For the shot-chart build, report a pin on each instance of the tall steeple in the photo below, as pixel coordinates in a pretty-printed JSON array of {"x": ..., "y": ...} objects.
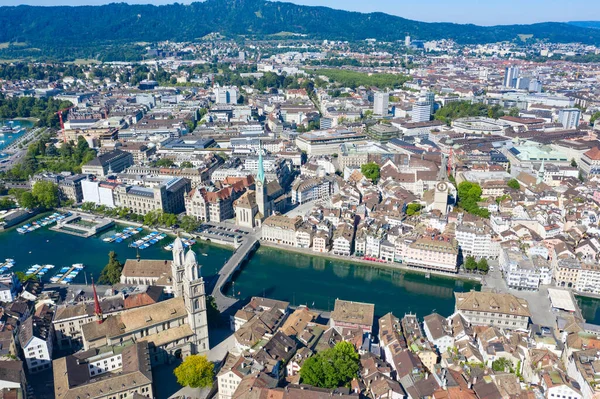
[
  {"x": 260, "y": 175},
  {"x": 261, "y": 186},
  {"x": 541, "y": 174},
  {"x": 177, "y": 267},
  {"x": 97, "y": 308},
  {"x": 194, "y": 298}
]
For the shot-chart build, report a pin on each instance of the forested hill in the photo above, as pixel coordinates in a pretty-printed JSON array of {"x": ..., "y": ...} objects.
[
  {"x": 88, "y": 25},
  {"x": 586, "y": 24}
]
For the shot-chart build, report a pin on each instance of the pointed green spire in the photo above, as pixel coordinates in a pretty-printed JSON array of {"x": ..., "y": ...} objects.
[{"x": 260, "y": 176}]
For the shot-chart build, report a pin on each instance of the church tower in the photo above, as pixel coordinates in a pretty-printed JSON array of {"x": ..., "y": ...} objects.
[
  {"x": 541, "y": 174},
  {"x": 194, "y": 298},
  {"x": 177, "y": 267},
  {"x": 262, "y": 199},
  {"x": 440, "y": 195}
]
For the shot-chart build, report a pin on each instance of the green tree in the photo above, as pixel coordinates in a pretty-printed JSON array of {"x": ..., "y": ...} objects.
[
  {"x": 595, "y": 116},
  {"x": 371, "y": 171},
  {"x": 212, "y": 311},
  {"x": 7, "y": 203},
  {"x": 189, "y": 223},
  {"x": 514, "y": 111},
  {"x": 469, "y": 194},
  {"x": 152, "y": 218},
  {"x": 196, "y": 371},
  {"x": 164, "y": 163},
  {"x": 502, "y": 364},
  {"x": 187, "y": 164},
  {"x": 412, "y": 209},
  {"x": 46, "y": 194},
  {"x": 513, "y": 183},
  {"x": 168, "y": 219},
  {"x": 573, "y": 163},
  {"x": 23, "y": 278},
  {"x": 483, "y": 266},
  {"x": 27, "y": 200},
  {"x": 111, "y": 274},
  {"x": 470, "y": 263},
  {"x": 331, "y": 368}
]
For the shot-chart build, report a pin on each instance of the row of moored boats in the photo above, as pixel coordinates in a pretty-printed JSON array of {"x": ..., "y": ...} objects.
[{"x": 38, "y": 224}]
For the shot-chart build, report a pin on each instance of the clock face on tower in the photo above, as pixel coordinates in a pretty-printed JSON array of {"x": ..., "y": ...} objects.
[
  {"x": 441, "y": 186},
  {"x": 258, "y": 183}
]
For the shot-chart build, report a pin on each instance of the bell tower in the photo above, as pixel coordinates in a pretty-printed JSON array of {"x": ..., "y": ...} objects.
[
  {"x": 194, "y": 298},
  {"x": 262, "y": 200},
  {"x": 177, "y": 268}
]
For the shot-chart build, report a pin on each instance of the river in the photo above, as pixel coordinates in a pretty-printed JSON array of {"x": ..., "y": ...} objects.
[
  {"x": 7, "y": 138},
  {"x": 316, "y": 282},
  {"x": 45, "y": 246},
  {"x": 300, "y": 279}
]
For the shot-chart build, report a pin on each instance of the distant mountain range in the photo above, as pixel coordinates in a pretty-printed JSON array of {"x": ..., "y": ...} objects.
[{"x": 123, "y": 23}]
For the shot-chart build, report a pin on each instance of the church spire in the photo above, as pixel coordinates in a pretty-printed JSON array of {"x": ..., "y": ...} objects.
[
  {"x": 541, "y": 173},
  {"x": 97, "y": 308},
  {"x": 260, "y": 176}
]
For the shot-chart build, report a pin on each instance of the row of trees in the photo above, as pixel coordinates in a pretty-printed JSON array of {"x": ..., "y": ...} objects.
[
  {"x": 153, "y": 218},
  {"x": 471, "y": 264}
]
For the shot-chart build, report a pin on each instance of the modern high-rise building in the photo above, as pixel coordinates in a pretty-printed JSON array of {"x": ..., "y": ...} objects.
[
  {"x": 569, "y": 117},
  {"x": 421, "y": 111},
  {"x": 510, "y": 76},
  {"x": 407, "y": 41},
  {"x": 381, "y": 102},
  {"x": 429, "y": 98},
  {"x": 535, "y": 86},
  {"x": 226, "y": 95}
]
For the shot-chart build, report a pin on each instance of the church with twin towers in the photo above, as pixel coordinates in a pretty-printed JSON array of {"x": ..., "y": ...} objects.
[{"x": 173, "y": 328}]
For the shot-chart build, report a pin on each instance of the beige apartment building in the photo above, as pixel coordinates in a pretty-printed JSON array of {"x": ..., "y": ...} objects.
[
  {"x": 280, "y": 229},
  {"x": 493, "y": 309}
]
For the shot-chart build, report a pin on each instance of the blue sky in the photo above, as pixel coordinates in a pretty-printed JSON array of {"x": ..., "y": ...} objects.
[{"x": 481, "y": 12}]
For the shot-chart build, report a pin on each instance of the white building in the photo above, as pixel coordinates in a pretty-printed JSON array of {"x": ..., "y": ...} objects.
[
  {"x": 381, "y": 102},
  {"x": 304, "y": 190},
  {"x": 569, "y": 117},
  {"x": 438, "y": 332},
  {"x": 98, "y": 192},
  {"x": 35, "y": 337},
  {"x": 477, "y": 240},
  {"x": 524, "y": 273},
  {"x": 226, "y": 95},
  {"x": 420, "y": 111}
]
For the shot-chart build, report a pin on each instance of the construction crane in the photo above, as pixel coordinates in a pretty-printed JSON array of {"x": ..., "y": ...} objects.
[{"x": 62, "y": 125}]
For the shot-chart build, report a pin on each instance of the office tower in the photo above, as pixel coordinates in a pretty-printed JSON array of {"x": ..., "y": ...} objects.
[
  {"x": 429, "y": 98},
  {"x": 381, "y": 102},
  {"x": 420, "y": 111},
  {"x": 407, "y": 41},
  {"x": 569, "y": 117},
  {"x": 510, "y": 76}
]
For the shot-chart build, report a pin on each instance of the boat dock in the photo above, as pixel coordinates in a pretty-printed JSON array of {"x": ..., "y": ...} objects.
[
  {"x": 38, "y": 270},
  {"x": 148, "y": 240},
  {"x": 123, "y": 235},
  {"x": 47, "y": 221},
  {"x": 6, "y": 265},
  {"x": 67, "y": 274}
]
